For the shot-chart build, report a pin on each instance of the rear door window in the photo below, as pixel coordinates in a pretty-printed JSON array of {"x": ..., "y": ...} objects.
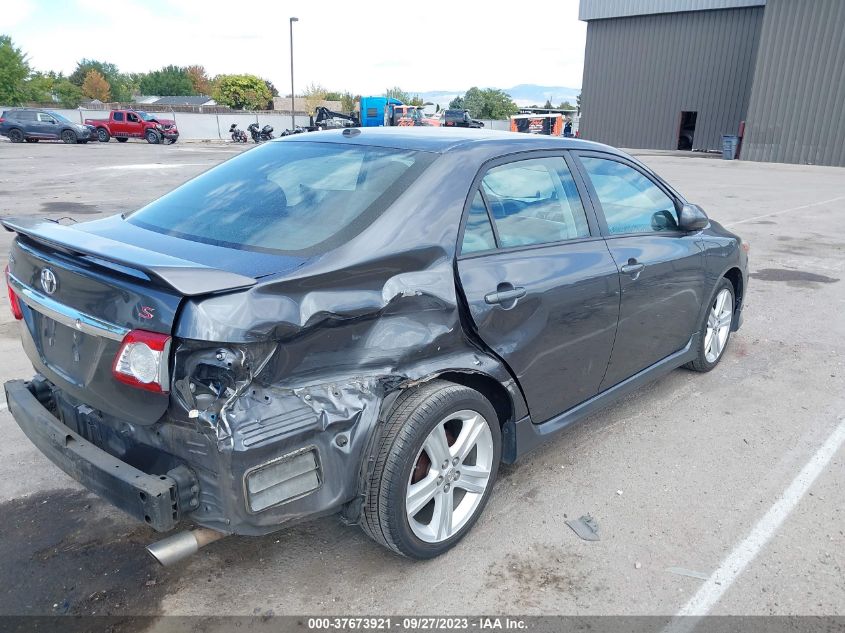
[
  {"x": 478, "y": 232},
  {"x": 291, "y": 197},
  {"x": 118, "y": 116},
  {"x": 535, "y": 201}
]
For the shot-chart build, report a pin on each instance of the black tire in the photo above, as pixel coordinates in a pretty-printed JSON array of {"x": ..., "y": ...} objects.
[
  {"x": 121, "y": 139},
  {"x": 32, "y": 140},
  {"x": 416, "y": 412},
  {"x": 69, "y": 137},
  {"x": 153, "y": 137},
  {"x": 701, "y": 363},
  {"x": 103, "y": 135},
  {"x": 16, "y": 135}
]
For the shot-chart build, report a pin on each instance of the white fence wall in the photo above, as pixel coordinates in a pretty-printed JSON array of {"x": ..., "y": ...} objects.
[
  {"x": 199, "y": 127},
  {"x": 195, "y": 126}
]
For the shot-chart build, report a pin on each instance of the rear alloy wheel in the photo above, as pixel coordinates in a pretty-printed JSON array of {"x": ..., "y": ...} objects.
[
  {"x": 437, "y": 461},
  {"x": 103, "y": 135},
  {"x": 153, "y": 137},
  {"x": 16, "y": 136},
  {"x": 716, "y": 329},
  {"x": 69, "y": 137},
  {"x": 450, "y": 476}
]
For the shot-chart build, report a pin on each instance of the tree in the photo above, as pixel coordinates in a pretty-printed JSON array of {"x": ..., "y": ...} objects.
[
  {"x": 39, "y": 87},
  {"x": 457, "y": 103},
  {"x": 169, "y": 81},
  {"x": 489, "y": 103},
  {"x": 566, "y": 106},
  {"x": 68, "y": 94},
  {"x": 416, "y": 100},
  {"x": 14, "y": 69},
  {"x": 243, "y": 92},
  {"x": 348, "y": 101},
  {"x": 474, "y": 102},
  {"x": 200, "y": 82},
  {"x": 273, "y": 93},
  {"x": 122, "y": 86},
  {"x": 578, "y": 102},
  {"x": 333, "y": 96},
  {"x": 314, "y": 95},
  {"x": 397, "y": 93},
  {"x": 548, "y": 104},
  {"x": 95, "y": 86}
]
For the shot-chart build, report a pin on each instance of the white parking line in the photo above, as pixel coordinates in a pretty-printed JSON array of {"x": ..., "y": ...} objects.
[
  {"x": 803, "y": 206},
  {"x": 733, "y": 565}
]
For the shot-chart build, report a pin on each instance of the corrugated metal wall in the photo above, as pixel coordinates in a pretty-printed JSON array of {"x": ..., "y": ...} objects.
[
  {"x": 641, "y": 72},
  {"x": 601, "y": 9},
  {"x": 797, "y": 109}
]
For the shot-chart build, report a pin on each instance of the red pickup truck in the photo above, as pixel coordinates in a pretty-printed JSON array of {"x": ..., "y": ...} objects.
[{"x": 126, "y": 124}]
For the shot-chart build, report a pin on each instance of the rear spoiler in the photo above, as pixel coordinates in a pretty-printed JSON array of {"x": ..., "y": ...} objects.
[{"x": 186, "y": 278}]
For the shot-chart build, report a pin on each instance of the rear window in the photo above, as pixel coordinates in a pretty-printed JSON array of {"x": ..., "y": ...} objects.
[
  {"x": 22, "y": 115},
  {"x": 286, "y": 197}
]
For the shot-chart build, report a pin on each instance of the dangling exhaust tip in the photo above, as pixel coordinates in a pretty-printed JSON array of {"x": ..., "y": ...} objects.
[{"x": 173, "y": 549}]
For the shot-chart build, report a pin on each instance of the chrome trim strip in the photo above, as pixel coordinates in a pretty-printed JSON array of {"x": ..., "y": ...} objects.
[{"x": 65, "y": 314}]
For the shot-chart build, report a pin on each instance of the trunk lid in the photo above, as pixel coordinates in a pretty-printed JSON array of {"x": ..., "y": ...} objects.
[{"x": 81, "y": 293}]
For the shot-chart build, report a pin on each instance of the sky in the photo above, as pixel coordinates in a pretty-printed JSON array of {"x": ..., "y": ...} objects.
[{"x": 363, "y": 47}]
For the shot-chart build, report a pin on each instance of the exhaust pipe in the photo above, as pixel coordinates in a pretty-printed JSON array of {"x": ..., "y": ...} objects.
[{"x": 174, "y": 548}]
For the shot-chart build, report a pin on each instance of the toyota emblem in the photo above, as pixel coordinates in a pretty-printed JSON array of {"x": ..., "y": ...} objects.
[{"x": 48, "y": 281}]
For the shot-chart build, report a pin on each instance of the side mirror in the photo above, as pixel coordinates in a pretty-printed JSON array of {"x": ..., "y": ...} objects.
[{"x": 692, "y": 218}]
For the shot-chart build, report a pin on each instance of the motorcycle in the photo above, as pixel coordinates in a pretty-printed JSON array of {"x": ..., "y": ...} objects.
[
  {"x": 238, "y": 136},
  {"x": 259, "y": 136},
  {"x": 296, "y": 130}
]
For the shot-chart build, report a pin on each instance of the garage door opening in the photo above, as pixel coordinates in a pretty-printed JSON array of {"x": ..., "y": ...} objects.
[{"x": 686, "y": 131}]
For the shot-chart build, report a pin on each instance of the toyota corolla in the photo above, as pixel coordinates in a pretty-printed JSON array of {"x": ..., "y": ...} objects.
[{"x": 358, "y": 322}]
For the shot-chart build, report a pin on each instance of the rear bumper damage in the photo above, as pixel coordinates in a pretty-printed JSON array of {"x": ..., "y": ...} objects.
[
  {"x": 281, "y": 456},
  {"x": 148, "y": 498}
]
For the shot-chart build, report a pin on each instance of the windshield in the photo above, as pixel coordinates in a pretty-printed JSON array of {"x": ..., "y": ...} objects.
[
  {"x": 144, "y": 115},
  {"x": 286, "y": 197},
  {"x": 59, "y": 117}
]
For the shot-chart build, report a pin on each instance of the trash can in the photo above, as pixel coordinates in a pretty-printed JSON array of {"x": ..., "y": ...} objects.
[{"x": 729, "y": 146}]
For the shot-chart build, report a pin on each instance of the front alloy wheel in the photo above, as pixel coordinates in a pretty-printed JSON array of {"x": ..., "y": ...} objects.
[
  {"x": 434, "y": 468},
  {"x": 450, "y": 476},
  {"x": 718, "y": 325},
  {"x": 715, "y": 332}
]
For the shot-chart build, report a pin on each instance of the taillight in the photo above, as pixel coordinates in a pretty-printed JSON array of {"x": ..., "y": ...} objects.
[
  {"x": 142, "y": 361},
  {"x": 14, "y": 303}
]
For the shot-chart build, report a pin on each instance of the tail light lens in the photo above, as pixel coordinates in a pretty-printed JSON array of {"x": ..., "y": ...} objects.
[
  {"x": 142, "y": 361},
  {"x": 14, "y": 303}
]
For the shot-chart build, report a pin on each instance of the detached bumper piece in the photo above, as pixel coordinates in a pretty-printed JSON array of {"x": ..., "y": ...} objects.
[{"x": 153, "y": 499}]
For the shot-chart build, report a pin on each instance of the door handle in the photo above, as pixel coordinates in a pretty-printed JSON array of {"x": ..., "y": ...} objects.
[
  {"x": 632, "y": 268},
  {"x": 504, "y": 296}
]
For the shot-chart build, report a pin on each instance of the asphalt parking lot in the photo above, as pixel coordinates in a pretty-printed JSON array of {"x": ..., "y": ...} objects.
[{"x": 691, "y": 480}]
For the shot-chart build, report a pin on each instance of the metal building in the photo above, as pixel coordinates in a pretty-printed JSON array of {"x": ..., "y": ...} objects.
[{"x": 669, "y": 74}]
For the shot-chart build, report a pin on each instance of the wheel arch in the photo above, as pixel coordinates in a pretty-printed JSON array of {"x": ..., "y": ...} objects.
[{"x": 734, "y": 275}]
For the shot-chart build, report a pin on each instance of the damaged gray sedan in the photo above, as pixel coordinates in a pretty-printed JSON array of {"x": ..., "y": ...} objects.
[{"x": 364, "y": 323}]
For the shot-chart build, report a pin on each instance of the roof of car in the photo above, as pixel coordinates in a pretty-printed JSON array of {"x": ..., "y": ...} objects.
[{"x": 439, "y": 139}]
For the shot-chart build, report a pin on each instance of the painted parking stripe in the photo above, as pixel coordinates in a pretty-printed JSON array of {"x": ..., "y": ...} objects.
[
  {"x": 733, "y": 565},
  {"x": 803, "y": 206}
]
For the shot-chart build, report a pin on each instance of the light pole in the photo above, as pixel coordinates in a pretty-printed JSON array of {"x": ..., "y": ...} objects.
[{"x": 292, "y": 102}]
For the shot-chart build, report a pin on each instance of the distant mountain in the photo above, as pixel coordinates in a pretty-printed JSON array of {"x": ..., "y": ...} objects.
[{"x": 523, "y": 94}]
